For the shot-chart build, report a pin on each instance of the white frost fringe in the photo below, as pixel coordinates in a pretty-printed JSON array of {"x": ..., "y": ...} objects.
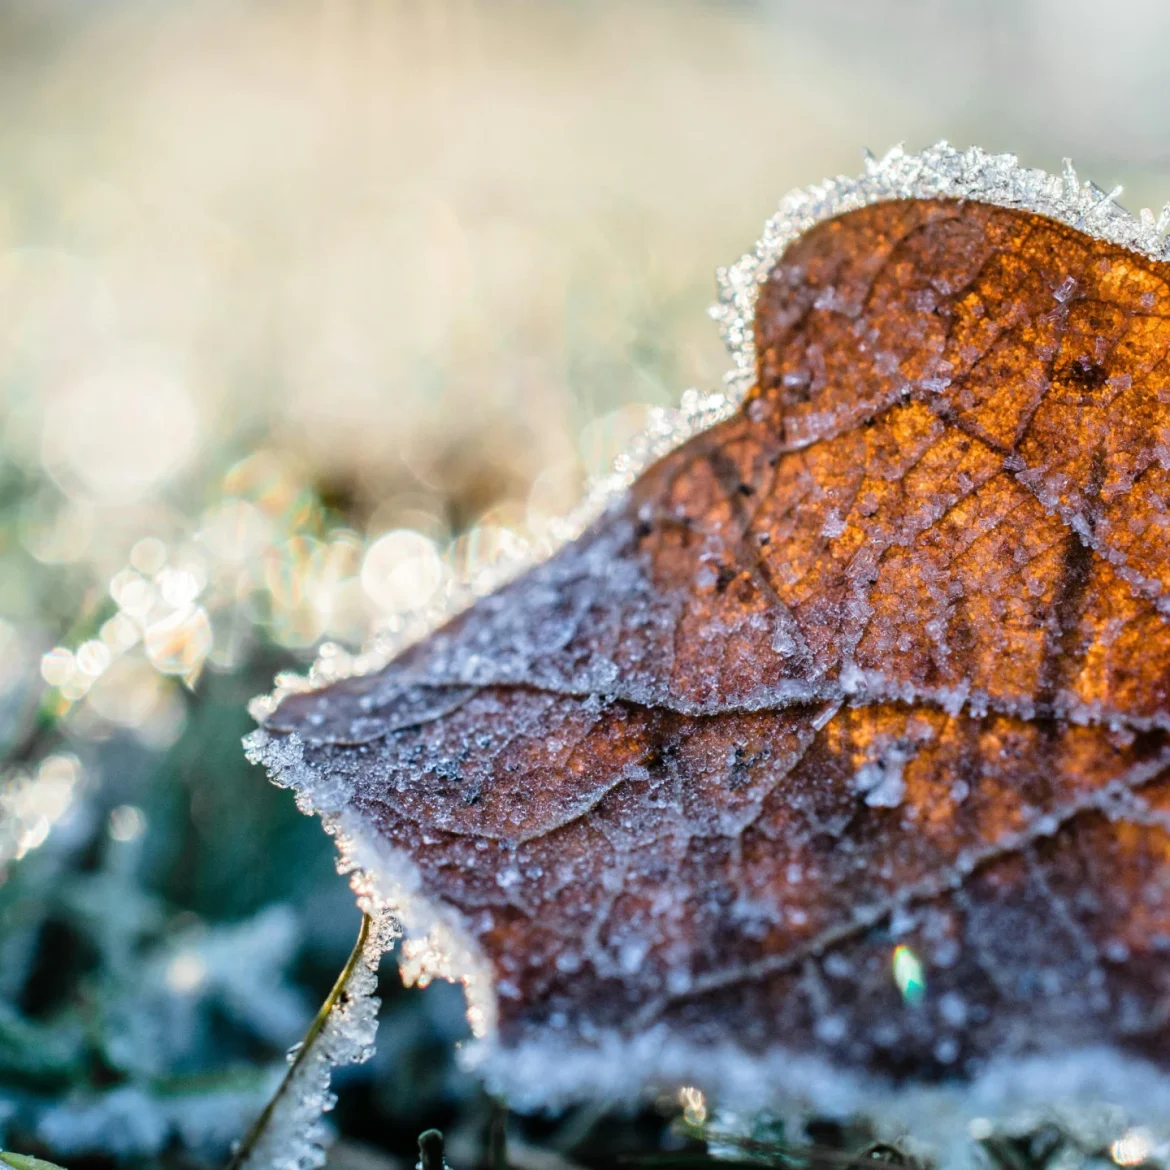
[{"x": 939, "y": 172}]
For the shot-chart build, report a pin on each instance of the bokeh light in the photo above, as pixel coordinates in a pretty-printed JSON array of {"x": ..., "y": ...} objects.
[
  {"x": 31, "y": 803},
  {"x": 116, "y": 435}
]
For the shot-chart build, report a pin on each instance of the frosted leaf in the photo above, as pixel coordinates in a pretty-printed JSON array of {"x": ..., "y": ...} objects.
[{"x": 878, "y": 653}]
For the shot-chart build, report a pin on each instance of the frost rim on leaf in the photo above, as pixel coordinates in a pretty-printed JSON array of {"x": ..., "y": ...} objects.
[
  {"x": 1017, "y": 1095},
  {"x": 939, "y": 172}
]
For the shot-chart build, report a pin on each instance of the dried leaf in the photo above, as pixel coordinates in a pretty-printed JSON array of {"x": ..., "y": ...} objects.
[{"x": 844, "y": 735}]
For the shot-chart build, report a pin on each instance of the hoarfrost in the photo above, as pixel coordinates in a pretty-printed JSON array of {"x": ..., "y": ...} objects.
[
  {"x": 1093, "y": 1094},
  {"x": 294, "y": 1137},
  {"x": 939, "y": 172},
  {"x": 881, "y": 781}
]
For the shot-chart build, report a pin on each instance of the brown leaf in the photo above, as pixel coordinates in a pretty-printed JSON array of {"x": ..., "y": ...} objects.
[{"x": 881, "y": 661}]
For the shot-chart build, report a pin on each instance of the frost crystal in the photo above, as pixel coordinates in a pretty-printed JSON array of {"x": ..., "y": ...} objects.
[{"x": 882, "y": 782}]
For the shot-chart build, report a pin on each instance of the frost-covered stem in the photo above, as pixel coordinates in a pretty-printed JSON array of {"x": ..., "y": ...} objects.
[{"x": 260, "y": 1126}]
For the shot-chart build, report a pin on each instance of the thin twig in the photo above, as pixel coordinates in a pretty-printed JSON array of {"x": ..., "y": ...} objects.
[{"x": 244, "y": 1150}]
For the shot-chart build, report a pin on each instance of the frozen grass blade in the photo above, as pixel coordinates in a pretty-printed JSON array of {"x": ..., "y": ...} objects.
[{"x": 288, "y": 1134}]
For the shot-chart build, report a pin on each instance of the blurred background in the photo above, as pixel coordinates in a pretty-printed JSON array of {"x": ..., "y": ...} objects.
[{"x": 315, "y": 315}]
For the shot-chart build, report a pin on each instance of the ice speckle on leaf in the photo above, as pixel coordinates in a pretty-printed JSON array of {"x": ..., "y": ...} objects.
[
  {"x": 875, "y": 664},
  {"x": 882, "y": 782}
]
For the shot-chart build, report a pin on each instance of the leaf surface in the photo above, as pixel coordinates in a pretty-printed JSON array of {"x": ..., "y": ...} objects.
[{"x": 879, "y": 664}]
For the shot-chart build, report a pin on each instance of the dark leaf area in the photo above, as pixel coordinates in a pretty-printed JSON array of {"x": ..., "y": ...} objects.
[{"x": 882, "y": 660}]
